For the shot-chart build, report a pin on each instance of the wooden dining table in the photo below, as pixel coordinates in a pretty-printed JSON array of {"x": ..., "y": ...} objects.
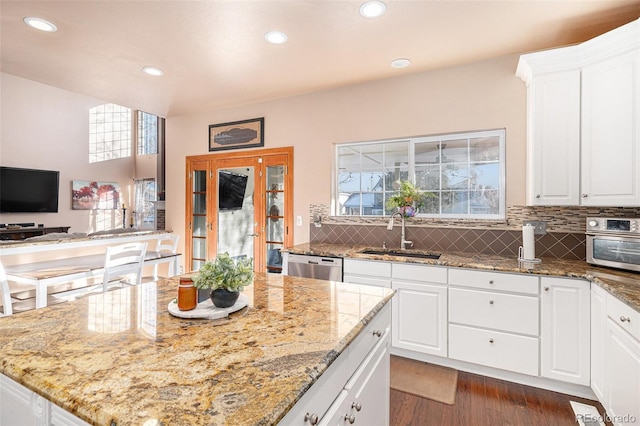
[{"x": 52, "y": 272}]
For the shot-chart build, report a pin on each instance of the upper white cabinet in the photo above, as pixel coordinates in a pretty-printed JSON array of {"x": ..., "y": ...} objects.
[{"x": 583, "y": 121}]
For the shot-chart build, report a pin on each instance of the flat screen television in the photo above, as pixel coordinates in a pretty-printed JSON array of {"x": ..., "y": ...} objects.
[
  {"x": 28, "y": 190},
  {"x": 231, "y": 189}
]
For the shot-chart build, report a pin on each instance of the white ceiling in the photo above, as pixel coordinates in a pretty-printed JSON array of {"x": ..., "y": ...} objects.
[{"x": 214, "y": 55}]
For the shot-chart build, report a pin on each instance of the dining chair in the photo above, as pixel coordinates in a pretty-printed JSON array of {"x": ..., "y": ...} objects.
[
  {"x": 6, "y": 294},
  {"x": 166, "y": 243},
  {"x": 122, "y": 262}
]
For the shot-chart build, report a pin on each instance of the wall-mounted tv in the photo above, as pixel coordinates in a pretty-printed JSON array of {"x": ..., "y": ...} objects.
[
  {"x": 231, "y": 188},
  {"x": 28, "y": 190}
]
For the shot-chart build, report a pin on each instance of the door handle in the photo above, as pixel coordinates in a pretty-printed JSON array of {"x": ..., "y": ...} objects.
[{"x": 253, "y": 235}]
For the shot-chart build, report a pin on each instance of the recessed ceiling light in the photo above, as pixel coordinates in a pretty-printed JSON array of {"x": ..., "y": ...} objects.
[
  {"x": 40, "y": 24},
  {"x": 400, "y": 63},
  {"x": 372, "y": 9},
  {"x": 276, "y": 37},
  {"x": 152, "y": 71}
]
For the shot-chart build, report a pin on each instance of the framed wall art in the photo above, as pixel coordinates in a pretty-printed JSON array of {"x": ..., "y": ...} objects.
[
  {"x": 237, "y": 134},
  {"x": 92, "y": 195}
]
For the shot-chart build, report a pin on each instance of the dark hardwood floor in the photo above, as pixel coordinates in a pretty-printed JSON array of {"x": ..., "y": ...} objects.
[{"x": 486, "y": 401}]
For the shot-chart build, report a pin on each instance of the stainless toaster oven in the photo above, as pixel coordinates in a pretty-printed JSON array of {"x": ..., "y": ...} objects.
[{"x": 614, "y": 242}]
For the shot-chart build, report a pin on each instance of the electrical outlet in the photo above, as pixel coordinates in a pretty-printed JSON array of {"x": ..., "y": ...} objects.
[
  {"x": 298, "y": 220},
  {"x": 539, "y": 226}
]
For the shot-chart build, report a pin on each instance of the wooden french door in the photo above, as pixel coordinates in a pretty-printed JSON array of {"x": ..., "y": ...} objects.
[{"x": 240, "y": 203}]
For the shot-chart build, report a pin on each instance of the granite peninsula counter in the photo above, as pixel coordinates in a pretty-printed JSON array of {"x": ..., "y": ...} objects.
[
  {"x": 624, "y": 285},
  {"x": 120, "y": 358}
]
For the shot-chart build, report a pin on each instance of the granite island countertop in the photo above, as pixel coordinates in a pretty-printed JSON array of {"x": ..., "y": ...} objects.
[
  {"x": 624, "y": 285},
  {"x": 120, "y": 358}
]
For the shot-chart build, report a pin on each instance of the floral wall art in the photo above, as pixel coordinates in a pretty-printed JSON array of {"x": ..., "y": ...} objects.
[{"x": 91, "y": 195}]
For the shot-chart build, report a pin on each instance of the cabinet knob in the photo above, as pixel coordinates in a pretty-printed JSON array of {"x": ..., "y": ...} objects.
[
  {"x": 377, "y": 333},
  {"x": 311, "y": 418},
  {"x": 350, "y": 418},
  {"x": 537, "y": 195},
  {"x": 357, "y": 406},
  {"x": 585, "y": 195},
  {"x": 491, "y": 340},
  {"x": 546, "y": 289},
  {"x": 491, "y": 302},
  {"x": 490, "y": 281},
  {"x": 624, "y": 319}
]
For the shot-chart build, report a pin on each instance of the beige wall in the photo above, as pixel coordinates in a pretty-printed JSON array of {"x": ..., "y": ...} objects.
[
  {"x": 480, "y": 96},
  {"x": 43, "y": 127}
]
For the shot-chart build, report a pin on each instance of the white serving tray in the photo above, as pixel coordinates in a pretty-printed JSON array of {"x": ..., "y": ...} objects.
[{"x": 206, "y": 310}]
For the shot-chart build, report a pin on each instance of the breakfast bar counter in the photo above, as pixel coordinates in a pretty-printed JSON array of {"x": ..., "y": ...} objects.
[{"x": 120, "y": 358}]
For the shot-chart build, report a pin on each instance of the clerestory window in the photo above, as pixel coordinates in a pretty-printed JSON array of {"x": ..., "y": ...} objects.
[
  {"x": 462, "y": 175},
  {"x": 109, "y": 132}
]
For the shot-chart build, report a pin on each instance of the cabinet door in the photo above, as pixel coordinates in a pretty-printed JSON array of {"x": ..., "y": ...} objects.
[
  {"x": 623, "y": 402},
  {"x": 197, "y": 212},
  {"x": 565, "y": 338},
  {"x": 554, "y": 139},
  {"x": 420, "y": 317},
  {"x": 20, "y": 406},
  {"x": 598, "y": 341},
  {"x": 611, "y": 131}
]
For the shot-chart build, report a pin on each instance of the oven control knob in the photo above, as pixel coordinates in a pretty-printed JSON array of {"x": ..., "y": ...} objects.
[{"x": 593, "y": 223}]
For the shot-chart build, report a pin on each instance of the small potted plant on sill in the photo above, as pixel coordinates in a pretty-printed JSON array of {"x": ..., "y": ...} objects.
[
  {"x": 225, "y": 278},
  {"x": 408, "y": 199}
]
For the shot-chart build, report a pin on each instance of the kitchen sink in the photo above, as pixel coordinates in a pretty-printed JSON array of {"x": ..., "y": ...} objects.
[{"x": 403, "y": 253}]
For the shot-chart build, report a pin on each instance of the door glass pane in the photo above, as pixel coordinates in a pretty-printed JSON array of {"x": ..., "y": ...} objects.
[
  {"x": 236, "y": 228},
  {"x": 275, "y": 204},
  {"x": 199, "y": 219}
]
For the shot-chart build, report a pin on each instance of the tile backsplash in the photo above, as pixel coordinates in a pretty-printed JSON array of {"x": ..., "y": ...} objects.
[{"x": 565, "y": 237}]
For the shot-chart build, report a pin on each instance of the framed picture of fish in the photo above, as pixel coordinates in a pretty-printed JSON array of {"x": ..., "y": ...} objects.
[{"x": 237, "y": 134}]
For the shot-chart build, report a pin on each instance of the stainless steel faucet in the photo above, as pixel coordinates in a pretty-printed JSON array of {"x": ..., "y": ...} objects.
[{"x": 403, "y": 242}]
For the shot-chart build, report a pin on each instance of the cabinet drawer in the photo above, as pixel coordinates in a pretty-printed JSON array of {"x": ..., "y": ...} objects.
[
  {"x": 368, "y": 338},
  {"x": 494, "y": 349},
  {"x": 515, "y": 283},
  {"x": 359, "y": 279},
  {"x": 624, "y": 315},
  {"x": 432, "y": 274},
  {"x": 499, "y": 311},
  {"x": 367, "y": 267}
]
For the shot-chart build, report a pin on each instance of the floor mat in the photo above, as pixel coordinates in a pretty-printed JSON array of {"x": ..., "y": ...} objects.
[{"x": 425, "y": 380}]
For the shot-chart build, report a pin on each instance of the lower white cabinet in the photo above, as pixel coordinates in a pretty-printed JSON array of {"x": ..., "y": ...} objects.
[
  {"x": 365, "y": 398},
  {"x": 420, "y": 309},
  {"x": 565, "y": 333},
  {"x": 356, "y": 385},
  {"x": 21, "y": 406},
  {"x": 598, "y": 341},
  {"x": 622, "y": 390},
  {"x": 367, "y": 272}
]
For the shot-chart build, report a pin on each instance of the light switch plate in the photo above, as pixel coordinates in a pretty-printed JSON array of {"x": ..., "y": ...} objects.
[
  {"x": 539, "y": 226},
  {"x": 298, "y": 220}
]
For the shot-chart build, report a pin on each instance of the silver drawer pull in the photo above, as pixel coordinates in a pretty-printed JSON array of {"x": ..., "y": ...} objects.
[
  {"x": 491, "y": 302},
  {"x": 491, "y": 340},
  {"x": 377, "y": 333},
  {"x": 490, "y": 281},
  {"x": 546, "y": 289},
  {"x": 350, "y": 418},
  {"x": 624, "y": 319},
  {"x": 311, "y": 418},
  {"x": 357, "y": 406}
]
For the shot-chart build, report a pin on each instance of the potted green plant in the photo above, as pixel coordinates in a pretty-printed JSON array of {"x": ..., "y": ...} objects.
[
  {"x": 408, "y": 199},
  {"x": 225, "y": 277}
]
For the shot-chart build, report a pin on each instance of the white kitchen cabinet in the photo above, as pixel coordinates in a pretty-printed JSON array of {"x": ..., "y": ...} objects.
[
  {"x": 583, "y": 121},
  {"x": 622, "y": 399},
  {"x": 611, "y": 131},
  {"x": 21, "y": 406},
  {"x": 565, "y": 330},
  {"x": 367, "y": 272},
  {"x": 598, "y": 341},
  {"x": 358, "y": 378},
  {"x": 420, "y": 309},
  {"x": 493, "y": 320}
]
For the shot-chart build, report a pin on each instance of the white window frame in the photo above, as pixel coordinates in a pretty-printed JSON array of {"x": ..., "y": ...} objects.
[{"x": 410, "y": 159}]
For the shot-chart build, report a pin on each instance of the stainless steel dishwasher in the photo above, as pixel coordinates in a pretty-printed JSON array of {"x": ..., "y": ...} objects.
[{"x": 318, "y": 267}]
